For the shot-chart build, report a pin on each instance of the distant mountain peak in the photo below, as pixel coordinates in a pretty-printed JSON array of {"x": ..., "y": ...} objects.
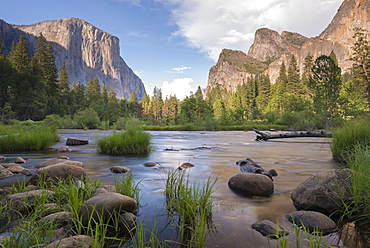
[{"x": 87, "y": 52}]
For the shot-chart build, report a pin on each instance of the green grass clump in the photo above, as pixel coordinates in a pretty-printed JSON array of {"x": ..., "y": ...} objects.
[
  {"x": 190, "y": 206},
  {"x": 347, "y": 138},
  {"x": 128, "y": 142},
  {"x": 27, "y": 138}
]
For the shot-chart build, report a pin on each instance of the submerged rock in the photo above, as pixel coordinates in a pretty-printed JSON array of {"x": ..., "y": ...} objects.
[
  {"x": 269, "y": 229},
  {"x": 311, "y": 221},
  {"x": 185, "y": 166},
  {"x": 64, "y": 149},
  {"x": 119, "y": 169}
]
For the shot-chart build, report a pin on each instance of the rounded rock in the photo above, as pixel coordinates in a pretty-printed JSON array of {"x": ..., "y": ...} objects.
[
  {"x": 324, "y": 192},
  {"x": 252, "y": 184},
  {"x": 312, "y": 221},
  {"x": 119, "y": 169},
  {"x": 104, "y": 205},
  {"x": 72, "y": 242}
]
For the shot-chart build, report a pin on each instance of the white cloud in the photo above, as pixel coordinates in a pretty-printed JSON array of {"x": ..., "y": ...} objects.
[
  {"x": 211, "y": 25},
  {"x": 179, "y": 69},
  {"x": 181, "y": 87}
]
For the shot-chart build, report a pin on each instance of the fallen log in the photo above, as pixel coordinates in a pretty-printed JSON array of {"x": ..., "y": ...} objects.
[
  {"x": 76, "y": 142},
  {"x": 266, "y": 136}
]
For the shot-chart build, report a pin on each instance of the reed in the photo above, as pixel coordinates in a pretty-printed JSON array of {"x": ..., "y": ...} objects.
[
  {"x": 126, "y": 185},
  {"x": 128, "y": 142},
  {"x": 346, "y": 139},
  {"x": 27, "y": 138},
  {"x": 190, "y": 207}
]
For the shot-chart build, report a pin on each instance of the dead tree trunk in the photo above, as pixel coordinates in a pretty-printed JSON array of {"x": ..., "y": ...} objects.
[{"x": 266, "y": 136}]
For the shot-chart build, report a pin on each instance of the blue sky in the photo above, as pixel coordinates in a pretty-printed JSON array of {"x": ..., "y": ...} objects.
[{"x": 172, "y": 44}]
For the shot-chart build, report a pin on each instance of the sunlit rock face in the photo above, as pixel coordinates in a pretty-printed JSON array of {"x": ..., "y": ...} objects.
[
  {"x": 269, "y": 44},
  {"x": 87, "y": 51}
]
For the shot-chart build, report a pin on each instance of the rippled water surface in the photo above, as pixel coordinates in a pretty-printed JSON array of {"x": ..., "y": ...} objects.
[{"x": 294, "y": 159}]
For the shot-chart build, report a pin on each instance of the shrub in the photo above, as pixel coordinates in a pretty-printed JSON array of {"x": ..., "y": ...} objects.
[
  {"x": 131, "y": 141},
  {"x": 87, "y": 118}
]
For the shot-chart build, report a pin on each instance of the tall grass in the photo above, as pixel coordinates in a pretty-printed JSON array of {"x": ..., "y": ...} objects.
[
  {"x": 126, "y": 185},
  {"x": 131, "y": 141},
  {"x": 351, "y": 145},
  {"x": 190, "y": 206},
  {"x": 27, "y": 138},
  {"x": 346, "y": 139}
]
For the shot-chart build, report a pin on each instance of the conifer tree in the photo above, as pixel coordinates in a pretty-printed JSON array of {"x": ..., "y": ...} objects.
[
  {"x": 145, "y": 104},
  {"x": 157, "y": 101},
  {"x": 264, "y": 93},
  {"x": 170, "y": 107},
  {"x": 293, "y": 78},
  {"x": 18, "y": 55},
  {"x": 78, "y": 98},
  {"x": 325, "y": 85},
  {"x": 104, "y": 94},
  {"x": 93, "y": 90},
  {"x": 361, "y": 62}
]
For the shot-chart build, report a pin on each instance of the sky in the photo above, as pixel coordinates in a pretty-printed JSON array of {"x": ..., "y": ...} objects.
[{"x": 172, "y": 44}]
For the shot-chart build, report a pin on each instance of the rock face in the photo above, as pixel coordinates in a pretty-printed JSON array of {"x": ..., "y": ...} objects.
[
  {"x": 337, "y": 37},
  {"x": 269, "y": 44},
  {"x": 87, "y": 51},
  {"x": 231, "y": 70}
]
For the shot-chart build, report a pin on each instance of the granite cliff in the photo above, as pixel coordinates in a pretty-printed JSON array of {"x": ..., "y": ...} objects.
[
  {"x": 235, "y": 67},
  {"x": 268, "y": 44},
  {"x": 87, "y": 51}
]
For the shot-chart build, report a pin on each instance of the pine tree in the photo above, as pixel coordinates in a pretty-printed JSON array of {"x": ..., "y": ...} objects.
[
  {"x": 18, "y": 55},
  {"x": 145, "y": 104},
  {"x": 63, "y": 81},
  {"x": 264, "y": 93},
  {"x": 325, "y": 84},
  {"x": 361, "y": 62},
  {"x": 93, "y": 90},
  {"x": 157, "y": 101},
  {"x": 293, "y": 78},
  {"x": 78, "y": 99},
  {"x": 278, "y": 100},
  {"x": 170, "y": 107},
  {"x": 104, "y": 94}
]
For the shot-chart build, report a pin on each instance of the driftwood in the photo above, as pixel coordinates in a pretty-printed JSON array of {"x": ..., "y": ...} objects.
[
  {"x": 76, "y": 142},
  {"x": 266, "y": 136}
]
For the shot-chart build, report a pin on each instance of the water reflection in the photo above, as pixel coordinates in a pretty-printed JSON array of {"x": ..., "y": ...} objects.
[{"x": 293, "y": 159}]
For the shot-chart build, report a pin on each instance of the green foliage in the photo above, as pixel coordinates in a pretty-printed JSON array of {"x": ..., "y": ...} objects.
[
  {"x": 190, "y": 206},
  {"x": 348, "y": 138},
  {"x": 361, "y": 62},
  {"x": 27, "y": 139},
  {"x": 325, "y": 85},
  {"x": 128, "y": 142},
  {"x": 87, "y": 118}
]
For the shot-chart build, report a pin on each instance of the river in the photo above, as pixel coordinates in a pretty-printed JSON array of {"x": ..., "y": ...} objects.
[{"x": 294, "y": 159}]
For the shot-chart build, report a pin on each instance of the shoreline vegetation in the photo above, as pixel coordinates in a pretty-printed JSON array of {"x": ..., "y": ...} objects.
[{"x": 350, "y": 147}]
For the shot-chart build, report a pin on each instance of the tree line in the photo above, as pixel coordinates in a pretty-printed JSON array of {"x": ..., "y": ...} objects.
[{"x": 317, "y": 97}]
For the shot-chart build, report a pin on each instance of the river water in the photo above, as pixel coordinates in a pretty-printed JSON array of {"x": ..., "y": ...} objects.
[{"x": 294, "y": 159}]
